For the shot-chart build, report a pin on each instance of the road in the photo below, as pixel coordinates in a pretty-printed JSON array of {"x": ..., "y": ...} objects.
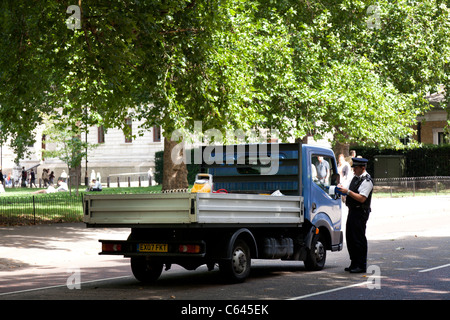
[{"x": 409, "y": 258}]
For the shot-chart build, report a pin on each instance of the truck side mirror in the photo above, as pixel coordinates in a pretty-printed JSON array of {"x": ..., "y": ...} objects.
[{"x": 335, "y": 179}]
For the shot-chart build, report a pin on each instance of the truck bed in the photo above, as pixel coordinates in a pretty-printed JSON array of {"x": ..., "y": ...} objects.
[{"x": 191, "y": 210}]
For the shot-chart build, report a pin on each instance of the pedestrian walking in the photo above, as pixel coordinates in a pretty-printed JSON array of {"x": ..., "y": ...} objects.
[
  {"x": 24, "y": 177},
  {"x": 32, "y": 179}
]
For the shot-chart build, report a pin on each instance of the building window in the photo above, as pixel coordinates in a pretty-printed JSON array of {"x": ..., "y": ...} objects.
[
  {"x": 405, "y": 140},
  {"x": 101, "y": 134},
  {"x": 156, "y": 134},
  {"x": 129, "y": 134},
  {"x": 441, "y": 138}
]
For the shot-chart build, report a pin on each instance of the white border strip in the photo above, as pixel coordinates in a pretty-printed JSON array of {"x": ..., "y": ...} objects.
[
  {"x": 59, "y": 286},
  {"x": 435, "y": 268},
  {"x": 328, "y": 291}
]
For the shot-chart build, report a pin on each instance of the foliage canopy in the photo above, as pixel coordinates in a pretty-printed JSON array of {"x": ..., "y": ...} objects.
[{"x": 356, "y": 68}]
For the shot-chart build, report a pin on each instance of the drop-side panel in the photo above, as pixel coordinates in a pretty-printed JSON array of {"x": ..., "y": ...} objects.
[
  {"x": 128, "y": 209},
  {"x": 249, "y": 209},
  {"x": 185, "y": 208}
]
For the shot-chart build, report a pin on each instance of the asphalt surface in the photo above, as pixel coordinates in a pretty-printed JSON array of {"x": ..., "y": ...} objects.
[{"x": 409, "y": 249}]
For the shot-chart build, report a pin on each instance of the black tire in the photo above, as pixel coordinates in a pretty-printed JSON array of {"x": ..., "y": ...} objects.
[
  {"x": 317, "y": 255},
  {"x": 144, "y": 270},
  {"x": 237, "y": 269}
]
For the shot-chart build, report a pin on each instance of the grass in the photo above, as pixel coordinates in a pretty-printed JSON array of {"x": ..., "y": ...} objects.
[
  {"x": 82, "y": 189},
  {"x": 24, "y": 208},
  {"x": 19, "y": 206}
]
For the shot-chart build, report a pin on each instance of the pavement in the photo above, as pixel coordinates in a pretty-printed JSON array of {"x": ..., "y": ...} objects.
[
  {"x": 54, "y": 246},
  {"x": 57, "y": 247}
]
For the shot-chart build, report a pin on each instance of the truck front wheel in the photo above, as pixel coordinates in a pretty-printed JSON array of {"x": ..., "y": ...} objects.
[
  {"x": 144, "y": 270},
  {"x": 237, "y": 268},
  {"x": 316, "y": 256}
]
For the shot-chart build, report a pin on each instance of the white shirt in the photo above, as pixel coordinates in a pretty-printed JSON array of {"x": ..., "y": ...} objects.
[
  {"x": 97, "y": 185},
  {"x": 366, "y": 186},
  {"x": 62, "y": 187}
]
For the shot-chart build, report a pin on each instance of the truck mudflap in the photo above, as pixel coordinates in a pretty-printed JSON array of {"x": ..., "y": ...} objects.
[{"x": 157, "y": 248}]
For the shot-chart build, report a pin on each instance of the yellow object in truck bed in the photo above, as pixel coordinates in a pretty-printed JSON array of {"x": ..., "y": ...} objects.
[
  {"x": 203, "y": 183},
  {"x": 203, "y": 187}
]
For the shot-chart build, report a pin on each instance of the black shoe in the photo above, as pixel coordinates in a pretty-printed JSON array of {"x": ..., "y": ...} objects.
[
  {"x": 350, "y": 267},
  {"x": 358, "y": 270}
]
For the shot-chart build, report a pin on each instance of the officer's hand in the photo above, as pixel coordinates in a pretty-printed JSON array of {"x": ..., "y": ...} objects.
[{"x": 341, "y": 191}]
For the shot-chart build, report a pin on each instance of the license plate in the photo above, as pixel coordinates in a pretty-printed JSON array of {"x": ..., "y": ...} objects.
[{"x": 152, "y": 247}]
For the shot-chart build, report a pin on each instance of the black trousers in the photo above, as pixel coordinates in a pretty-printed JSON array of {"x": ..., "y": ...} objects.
[{"x": 355, "y": 235}]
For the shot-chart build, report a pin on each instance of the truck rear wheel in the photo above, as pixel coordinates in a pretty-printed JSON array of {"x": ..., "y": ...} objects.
[
  {"x": 316, "y": 256},
  {"x": 144, "y": 270},
  {"x": 237, "y": 268}
]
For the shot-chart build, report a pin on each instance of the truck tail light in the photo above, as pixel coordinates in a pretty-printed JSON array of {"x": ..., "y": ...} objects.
[
  {"x": 189, "y": 248},
  {"x": 111, "y": 247}
]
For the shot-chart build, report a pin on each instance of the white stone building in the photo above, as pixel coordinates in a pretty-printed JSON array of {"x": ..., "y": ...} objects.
[{"x": 115, "y": 155}]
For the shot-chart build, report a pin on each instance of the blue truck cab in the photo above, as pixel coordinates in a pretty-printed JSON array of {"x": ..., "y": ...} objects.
[{"x": 295, "y": 169}]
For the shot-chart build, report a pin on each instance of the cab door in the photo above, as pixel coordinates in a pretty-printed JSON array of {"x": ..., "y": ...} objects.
[{"x": 322, "y": 209}]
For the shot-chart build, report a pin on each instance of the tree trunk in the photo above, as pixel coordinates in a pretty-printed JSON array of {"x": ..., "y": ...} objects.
[
  {"x": 75, "y": 178},
  {"x": 339, "y": 148},
  {"x": 174, "y": 174}
]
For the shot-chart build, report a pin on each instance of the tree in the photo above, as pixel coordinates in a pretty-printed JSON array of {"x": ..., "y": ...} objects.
[
  {"x": 299, "y": 66},
  {"x": 363, "y": 68},
  {"x": 68, "y": 147}
]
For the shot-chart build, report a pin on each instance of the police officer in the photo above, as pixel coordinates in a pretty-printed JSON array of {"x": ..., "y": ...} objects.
[{"x": 359, "y": 195}]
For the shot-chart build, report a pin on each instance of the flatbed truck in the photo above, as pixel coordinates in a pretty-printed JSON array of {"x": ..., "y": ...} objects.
[{"x": 260, "y": 213}]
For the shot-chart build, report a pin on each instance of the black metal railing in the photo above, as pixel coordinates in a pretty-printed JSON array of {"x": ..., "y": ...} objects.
[
  {"x": 33, "y": 209},
  {"x": 414, "y": 185}
]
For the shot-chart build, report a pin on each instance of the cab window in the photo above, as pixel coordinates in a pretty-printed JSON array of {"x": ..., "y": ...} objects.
[{"x": 323, "y": 171}]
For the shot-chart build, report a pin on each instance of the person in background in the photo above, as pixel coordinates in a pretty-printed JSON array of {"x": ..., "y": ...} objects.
[
  {"x": 95, "y": 186},
  {"x": 24, "y": 178},
  {"x": 45, "y": 177},
  {"x": 8, "y": 181},
  {"x": 32, "y": 179},
  {"x": 344, "y": 170},
  {"x": 62, "y": 186},
  {"x": 51, "y": 177},
  {"x": 50, "y": 189},
  {"x": 64, "y": 176},
  {"x": 323, "y": 170}
]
